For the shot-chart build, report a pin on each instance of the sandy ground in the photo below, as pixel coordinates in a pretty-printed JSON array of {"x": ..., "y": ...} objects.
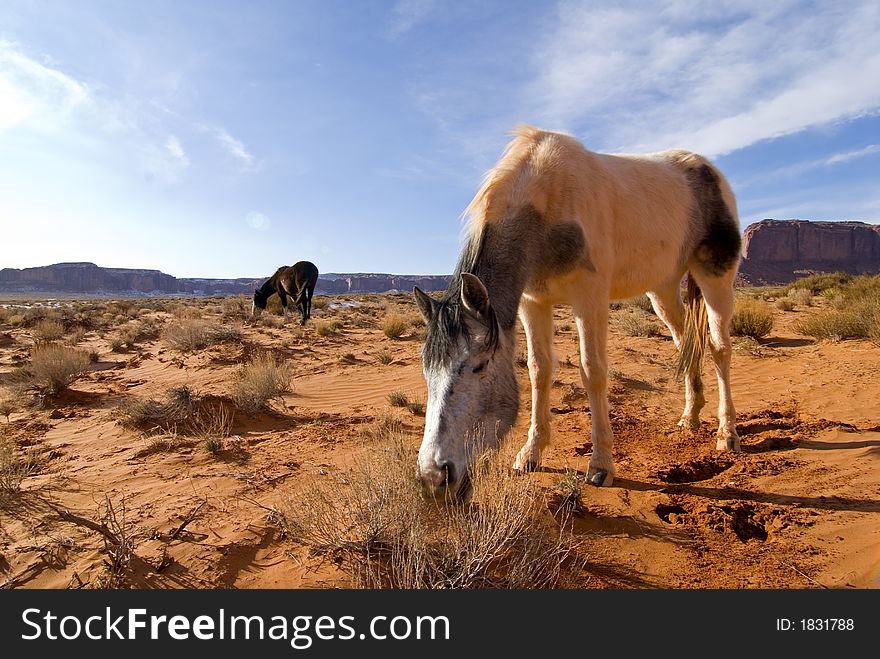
[{"x": 798, "y": 508}]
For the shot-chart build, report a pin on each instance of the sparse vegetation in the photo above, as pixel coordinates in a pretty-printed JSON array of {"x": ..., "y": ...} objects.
[
  {"x": 384, "y": 356},
  {"x": 196, "y": 334},
  {"x": 570, "y": 492},
  {"x": 854, "y": 312},
  {"x": 259, "y": 382},
  {"x": 752, "y": 318},
  {"x": 818, "y": 284},
  {"x": 55, "y": 367},
  {"x": 378, "y": 527},
  {"x": 46, "y": 331},
  {"x": 14, "y": 467},
  {"x": 785, "y": 304},
  {"x": 328, "y": 327},
  {"x": 801, "y": 297},
  {"x": 398, "y": 399},
  {"x": 635, "y": 322},
  {"x": 395, "y": 325}
]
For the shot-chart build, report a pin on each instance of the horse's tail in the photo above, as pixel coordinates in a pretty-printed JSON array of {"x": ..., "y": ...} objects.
[{"x": 696, "y": 332}]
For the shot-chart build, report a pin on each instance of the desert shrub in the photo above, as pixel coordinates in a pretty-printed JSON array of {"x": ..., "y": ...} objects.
[
  {"x": 854, "y": 313},
  {"x": 196, "y": 334},
  {"x": 236, "y": 307},
  {"x": 188, "y": 334},
  {"x": 328, "y": 327},
  {"x": 319, "y": 302},
  {"x": 751, "y": 318},
  {"x": 12, "y": 399},
  {"x": 259, "y": 382},
  {"x": 802, "y": 297},
  {"x": 635, "y": 322},
  {"x": 127, "y": 335},
  {"x": 785, "y": 304},
  {"x": 642, "y": 302},
  {"x": 570, "y": 494},
  {"x": 271, "y": 321},
  {"x": 380, "y": 529},
  {"x": 836, "y": 325},
  {"x": 54, "y": 367},
  {"x": 75, "y": 336},
  {"x": 395, "y": 325},
  {"x": 180, "y": 411},
  {"x": 5, "y": 314},
  {"x": 398, "y": 399},
  {"x": 416, "y": 407},
  {"x": 47, "y": 330},
  {"x": 15, "y": 466},
  {"x": 384, "y": 357},
  {"x": 818, "y": 283}
]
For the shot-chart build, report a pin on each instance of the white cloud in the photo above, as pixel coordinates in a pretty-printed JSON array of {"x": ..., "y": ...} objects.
[
  {"x": 647, "y": 76},
  {"x": 176, "y": 152},
  {"x": 406, "y": 14},
  {"x": 853, "y": 155},
  {"x": 235, "y": 148},
  {"x": 34, "y": 94}
]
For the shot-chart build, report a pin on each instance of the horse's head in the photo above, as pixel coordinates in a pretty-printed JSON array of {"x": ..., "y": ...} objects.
[
  {"x": 472, "y": 389},
  {"x": 259, "y": 303}
]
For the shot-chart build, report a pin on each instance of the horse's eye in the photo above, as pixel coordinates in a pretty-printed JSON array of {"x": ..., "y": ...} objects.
[{"x": 479, "y": 368}]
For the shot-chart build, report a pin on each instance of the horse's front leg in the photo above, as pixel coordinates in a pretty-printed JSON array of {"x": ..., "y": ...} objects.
[
  {"x": 592, "y": 324},
  {"x": 537, "y": 320}
]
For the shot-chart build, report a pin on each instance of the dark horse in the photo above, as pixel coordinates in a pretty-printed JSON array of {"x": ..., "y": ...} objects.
[{"x": 296, "y": 281}]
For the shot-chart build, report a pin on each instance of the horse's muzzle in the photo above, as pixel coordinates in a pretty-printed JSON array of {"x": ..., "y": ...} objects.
[{"x": 442, "y": 482}]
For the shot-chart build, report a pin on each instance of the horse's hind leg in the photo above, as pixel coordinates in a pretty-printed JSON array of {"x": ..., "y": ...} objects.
[
  {"x": 718, "y": 295},
  {"x": 666, "y": 301},
  {"x": 537, "y": 320}
]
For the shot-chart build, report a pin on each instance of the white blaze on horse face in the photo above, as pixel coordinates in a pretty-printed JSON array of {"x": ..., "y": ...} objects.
[
  {"x": 458, "y": 415},
  {"x": 255, "y": 310}
]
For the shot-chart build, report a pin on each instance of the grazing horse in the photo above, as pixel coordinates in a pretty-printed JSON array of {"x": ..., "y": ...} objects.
[
  {"x": 296, "y": 281},
  {"x": 554, "y": 223}
]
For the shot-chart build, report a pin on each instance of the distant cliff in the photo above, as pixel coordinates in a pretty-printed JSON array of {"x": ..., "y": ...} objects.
[
  {"x": 91, "y": 279},
  {"x": 780, "y": 251}
]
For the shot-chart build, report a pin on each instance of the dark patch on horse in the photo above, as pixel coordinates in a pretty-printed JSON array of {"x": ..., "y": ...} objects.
[
  {"x": 718, "y": 249},
  {"x": 506, "y": 256},
  {"x": 296, "y": 282}
]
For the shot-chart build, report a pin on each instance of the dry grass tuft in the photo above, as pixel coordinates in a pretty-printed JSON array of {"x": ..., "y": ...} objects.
[
  {"x": 181, "y": 411},
  {"x": 854, "y": 312},
  {"x": 752, "y": 318},
  {"x": 15, "y": 466},
  {"x": 396, "y": 325},
  {"x": 260, "y": 381},
  {"x": 375, "y": 523},
  {"x": 46, "y": 331},
  {"x": 55, "y": 367},
  {"x": 196, "y": 334},
  {"x": 635, "y": 322},
  {"x": 398, "y": 399}
]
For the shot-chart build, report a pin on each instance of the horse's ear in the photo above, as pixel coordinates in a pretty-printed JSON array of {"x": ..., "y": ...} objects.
[
  {"x": 424, "y": 302},
  {"x": 474, "y": 295}
]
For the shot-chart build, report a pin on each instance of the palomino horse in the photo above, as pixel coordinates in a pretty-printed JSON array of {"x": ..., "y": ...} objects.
[
  {"x": 296, "y": 281},
  {"x": 554, "y": 223}
]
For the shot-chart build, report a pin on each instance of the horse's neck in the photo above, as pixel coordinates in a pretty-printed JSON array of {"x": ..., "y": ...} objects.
[
  {"x": 269, "y": 287},
  {"x": 503, "y": 265}
]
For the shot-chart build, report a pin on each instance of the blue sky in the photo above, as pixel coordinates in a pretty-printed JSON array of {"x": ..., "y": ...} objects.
[{"x": 222, "y": 139}]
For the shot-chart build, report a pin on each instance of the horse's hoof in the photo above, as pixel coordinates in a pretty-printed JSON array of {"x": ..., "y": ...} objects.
[
  {"x": 531, "y": 466},
  {"x": 600, "y": 478},
  {"x": 728, "y": 444}
]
